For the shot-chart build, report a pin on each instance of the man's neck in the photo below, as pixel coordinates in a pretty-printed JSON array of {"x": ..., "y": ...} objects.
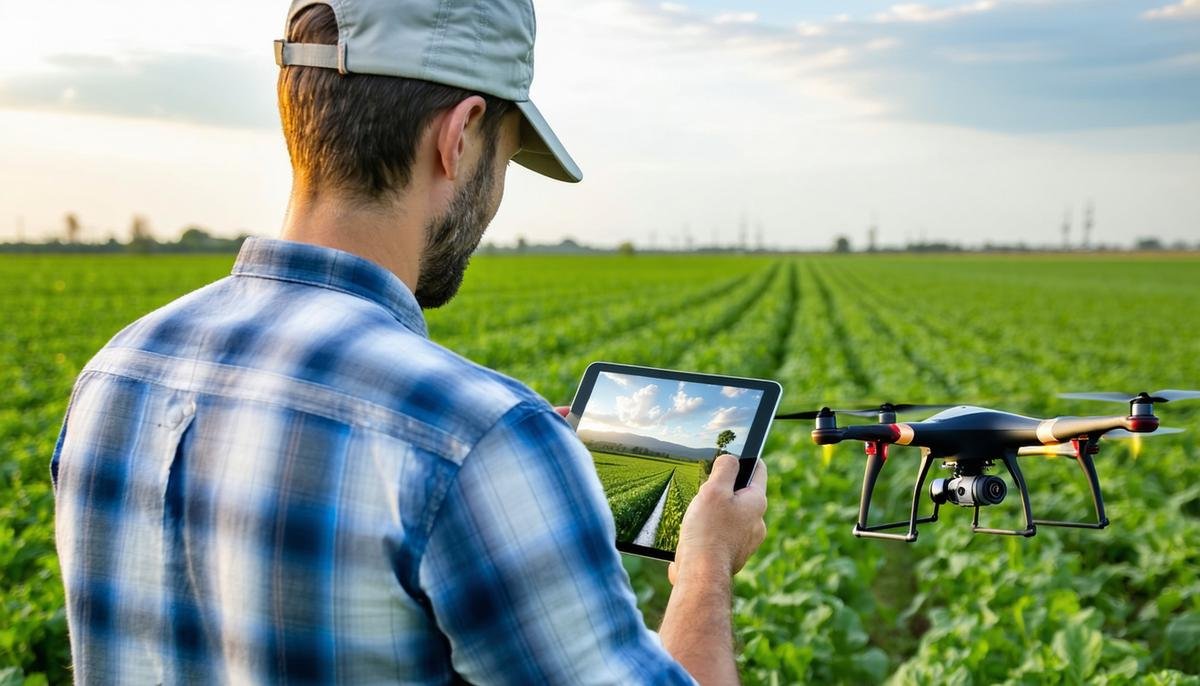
[{"x": 390, "y": 236}]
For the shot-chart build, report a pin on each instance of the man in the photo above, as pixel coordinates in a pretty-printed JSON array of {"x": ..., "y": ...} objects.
[{"x": 279, "y": 477}]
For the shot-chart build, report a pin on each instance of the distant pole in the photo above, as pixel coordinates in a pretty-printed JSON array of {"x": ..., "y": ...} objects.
[
  {"x": 759, "y": 235},
  {"x": 872, "y": 233},
  {"x": 742, "y": 232},
  {"x": 1066, "y": 230},
  {"x": 1088, "y": 223},
  {"x": 73, "y": 227}
]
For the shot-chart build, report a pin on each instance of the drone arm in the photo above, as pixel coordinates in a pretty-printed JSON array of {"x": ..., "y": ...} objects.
[
  {"x": 1063, "y": 429},
  {"x": 885, "y": 433}
]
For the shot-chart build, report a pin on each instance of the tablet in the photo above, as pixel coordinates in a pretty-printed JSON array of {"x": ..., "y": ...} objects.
[{"x": 654, "y": 434}]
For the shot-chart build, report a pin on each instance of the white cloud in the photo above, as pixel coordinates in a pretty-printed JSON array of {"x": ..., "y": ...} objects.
[
  {"x": 640, "y": 409},
  {"x": 619, "y": 380},
  {"x": 916, "y": 12},
  {"x": 1016, "y": 53},
  {"x": 810, "y": 30},
  {"x": 727, "y": 418},
  {"x": 736, "y": 18},
  {"x": 732, "y": 392},
  {"x": 1180, "y": 10},
  {"x": 673, "y": 7},
  {"x": 683, "y": 403}
]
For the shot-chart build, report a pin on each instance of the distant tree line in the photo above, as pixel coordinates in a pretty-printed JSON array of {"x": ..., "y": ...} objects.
[
  {"x": 621, "y": 448},
  {"x": 842, "y": 244},
  {"x": 194, "y": 239}
]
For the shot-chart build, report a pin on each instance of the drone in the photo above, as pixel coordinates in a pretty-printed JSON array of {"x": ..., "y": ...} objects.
[{"x": 970, "y": 440}]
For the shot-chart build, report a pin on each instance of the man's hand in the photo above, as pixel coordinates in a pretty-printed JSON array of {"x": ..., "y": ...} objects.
[{"x": 721, "y": 528}]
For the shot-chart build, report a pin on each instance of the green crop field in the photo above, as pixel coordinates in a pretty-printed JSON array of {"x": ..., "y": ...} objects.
[
  {"x": 815, "y": 605},
  {"x": 633, "y": 487},
  {"x": 634, "y": 484}
]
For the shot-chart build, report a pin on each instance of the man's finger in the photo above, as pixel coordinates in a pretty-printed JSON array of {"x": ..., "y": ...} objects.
[
  {"x": 671, "y": 573},
  {"x": 563, "y": 410}
]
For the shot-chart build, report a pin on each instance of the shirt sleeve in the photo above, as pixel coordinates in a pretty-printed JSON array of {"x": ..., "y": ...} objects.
[{"x": 521, "y": 569}]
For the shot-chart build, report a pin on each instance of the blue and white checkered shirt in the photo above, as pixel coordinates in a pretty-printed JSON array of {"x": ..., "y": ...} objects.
[{"x": 280, "y": 478}]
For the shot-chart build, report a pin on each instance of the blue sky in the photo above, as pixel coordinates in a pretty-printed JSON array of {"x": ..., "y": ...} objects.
[
  {"x": 1005, "y": 65},
  {"x": 966, "y": 120},
  {"x": 688, "y": 414}
]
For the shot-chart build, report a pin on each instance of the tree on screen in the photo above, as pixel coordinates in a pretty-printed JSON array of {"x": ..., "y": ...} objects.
[{"x": 723, "y": 439}]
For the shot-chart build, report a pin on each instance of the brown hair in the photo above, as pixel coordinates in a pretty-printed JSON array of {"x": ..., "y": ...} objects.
[{"x": 357, "y": 134}]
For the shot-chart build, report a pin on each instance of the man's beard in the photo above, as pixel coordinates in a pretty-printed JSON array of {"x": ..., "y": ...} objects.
[{"x": 451, "y": 238}]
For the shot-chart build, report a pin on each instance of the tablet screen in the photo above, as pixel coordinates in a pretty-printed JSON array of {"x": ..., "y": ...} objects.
[{"x": 653, "y": 440}]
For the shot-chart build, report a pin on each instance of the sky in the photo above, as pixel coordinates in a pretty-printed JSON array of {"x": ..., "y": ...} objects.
[
  {"x": 688, "y": 414},
  {"x": 956, "y": 120}
]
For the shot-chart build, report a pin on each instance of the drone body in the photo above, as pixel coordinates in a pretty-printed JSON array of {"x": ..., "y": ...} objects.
[{"x": 970, "y": 441}]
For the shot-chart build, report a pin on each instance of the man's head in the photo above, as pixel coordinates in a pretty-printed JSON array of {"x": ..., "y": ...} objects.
[
  {"x": 356, "y": 138},
  {"x": 366, "y": 136}
]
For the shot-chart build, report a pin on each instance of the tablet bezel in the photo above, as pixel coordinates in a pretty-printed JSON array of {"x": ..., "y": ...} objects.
[{"x": 754, "y": 440}]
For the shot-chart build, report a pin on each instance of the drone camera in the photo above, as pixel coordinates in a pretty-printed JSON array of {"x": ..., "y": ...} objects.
[{"x": 969, "y": 491}]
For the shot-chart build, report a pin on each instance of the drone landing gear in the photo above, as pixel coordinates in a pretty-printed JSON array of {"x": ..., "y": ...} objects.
[
  {"x": 876, "y": 458},
  {"x": 1010, "y": 463},
  {"x": 1085, "y": 447}
]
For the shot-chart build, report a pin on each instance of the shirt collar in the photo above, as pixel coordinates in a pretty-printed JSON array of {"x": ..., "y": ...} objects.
[{"x": 330, "y": 268}]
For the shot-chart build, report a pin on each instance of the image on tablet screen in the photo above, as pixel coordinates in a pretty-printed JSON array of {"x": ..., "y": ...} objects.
[{"x": 654, "y": 442}]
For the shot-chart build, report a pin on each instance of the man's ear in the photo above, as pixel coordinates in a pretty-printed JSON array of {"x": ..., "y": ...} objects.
[{"x": 452, "y": 133}]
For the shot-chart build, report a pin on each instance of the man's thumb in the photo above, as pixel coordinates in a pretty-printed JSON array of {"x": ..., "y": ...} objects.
[{"x": 725, "y": 469}]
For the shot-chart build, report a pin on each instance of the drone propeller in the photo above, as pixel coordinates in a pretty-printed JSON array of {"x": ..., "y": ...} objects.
[
  {"x": 1058, "y": 449},
  {"x": 864, "y": 412},
  {"x": 1068, "y": 449},
  {"x": 1123, "y": 435},
  {"x": 807, "y": 414},
  {"x": 1162, "y": 396},
  {"x": 889, "y": 407}
]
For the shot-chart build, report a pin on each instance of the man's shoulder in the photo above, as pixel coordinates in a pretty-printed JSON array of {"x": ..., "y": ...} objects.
[
  {"x": 441, "y": 388},
  {"x": 323, "y": 351}
]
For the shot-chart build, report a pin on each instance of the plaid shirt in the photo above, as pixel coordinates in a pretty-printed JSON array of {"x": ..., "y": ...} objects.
[{"x": 280, "y": 478}]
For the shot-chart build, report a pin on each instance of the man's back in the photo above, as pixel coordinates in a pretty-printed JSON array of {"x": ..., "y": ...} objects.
[{"x": 279, "y": 477}]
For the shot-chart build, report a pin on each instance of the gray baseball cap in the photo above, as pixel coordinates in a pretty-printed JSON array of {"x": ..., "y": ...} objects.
[{"x": 479, "y": 45}]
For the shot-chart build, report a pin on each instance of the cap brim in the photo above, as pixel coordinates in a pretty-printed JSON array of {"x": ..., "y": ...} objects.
[{"x": 541, "y": 151}]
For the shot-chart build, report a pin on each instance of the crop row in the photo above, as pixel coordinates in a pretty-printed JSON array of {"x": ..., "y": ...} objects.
[
  {"x": 586, "y": 324},
  {"x": 659, "y": 344},
  {"x": 633, "y": 502},
  {"x": 684, "y": 484},
  {"x": 754, "y": 346},
  {"x": 512, "y": 296}
]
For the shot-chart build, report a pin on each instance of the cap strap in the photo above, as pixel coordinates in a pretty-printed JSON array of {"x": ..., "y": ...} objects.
[{"x": 310, "y": 55}]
